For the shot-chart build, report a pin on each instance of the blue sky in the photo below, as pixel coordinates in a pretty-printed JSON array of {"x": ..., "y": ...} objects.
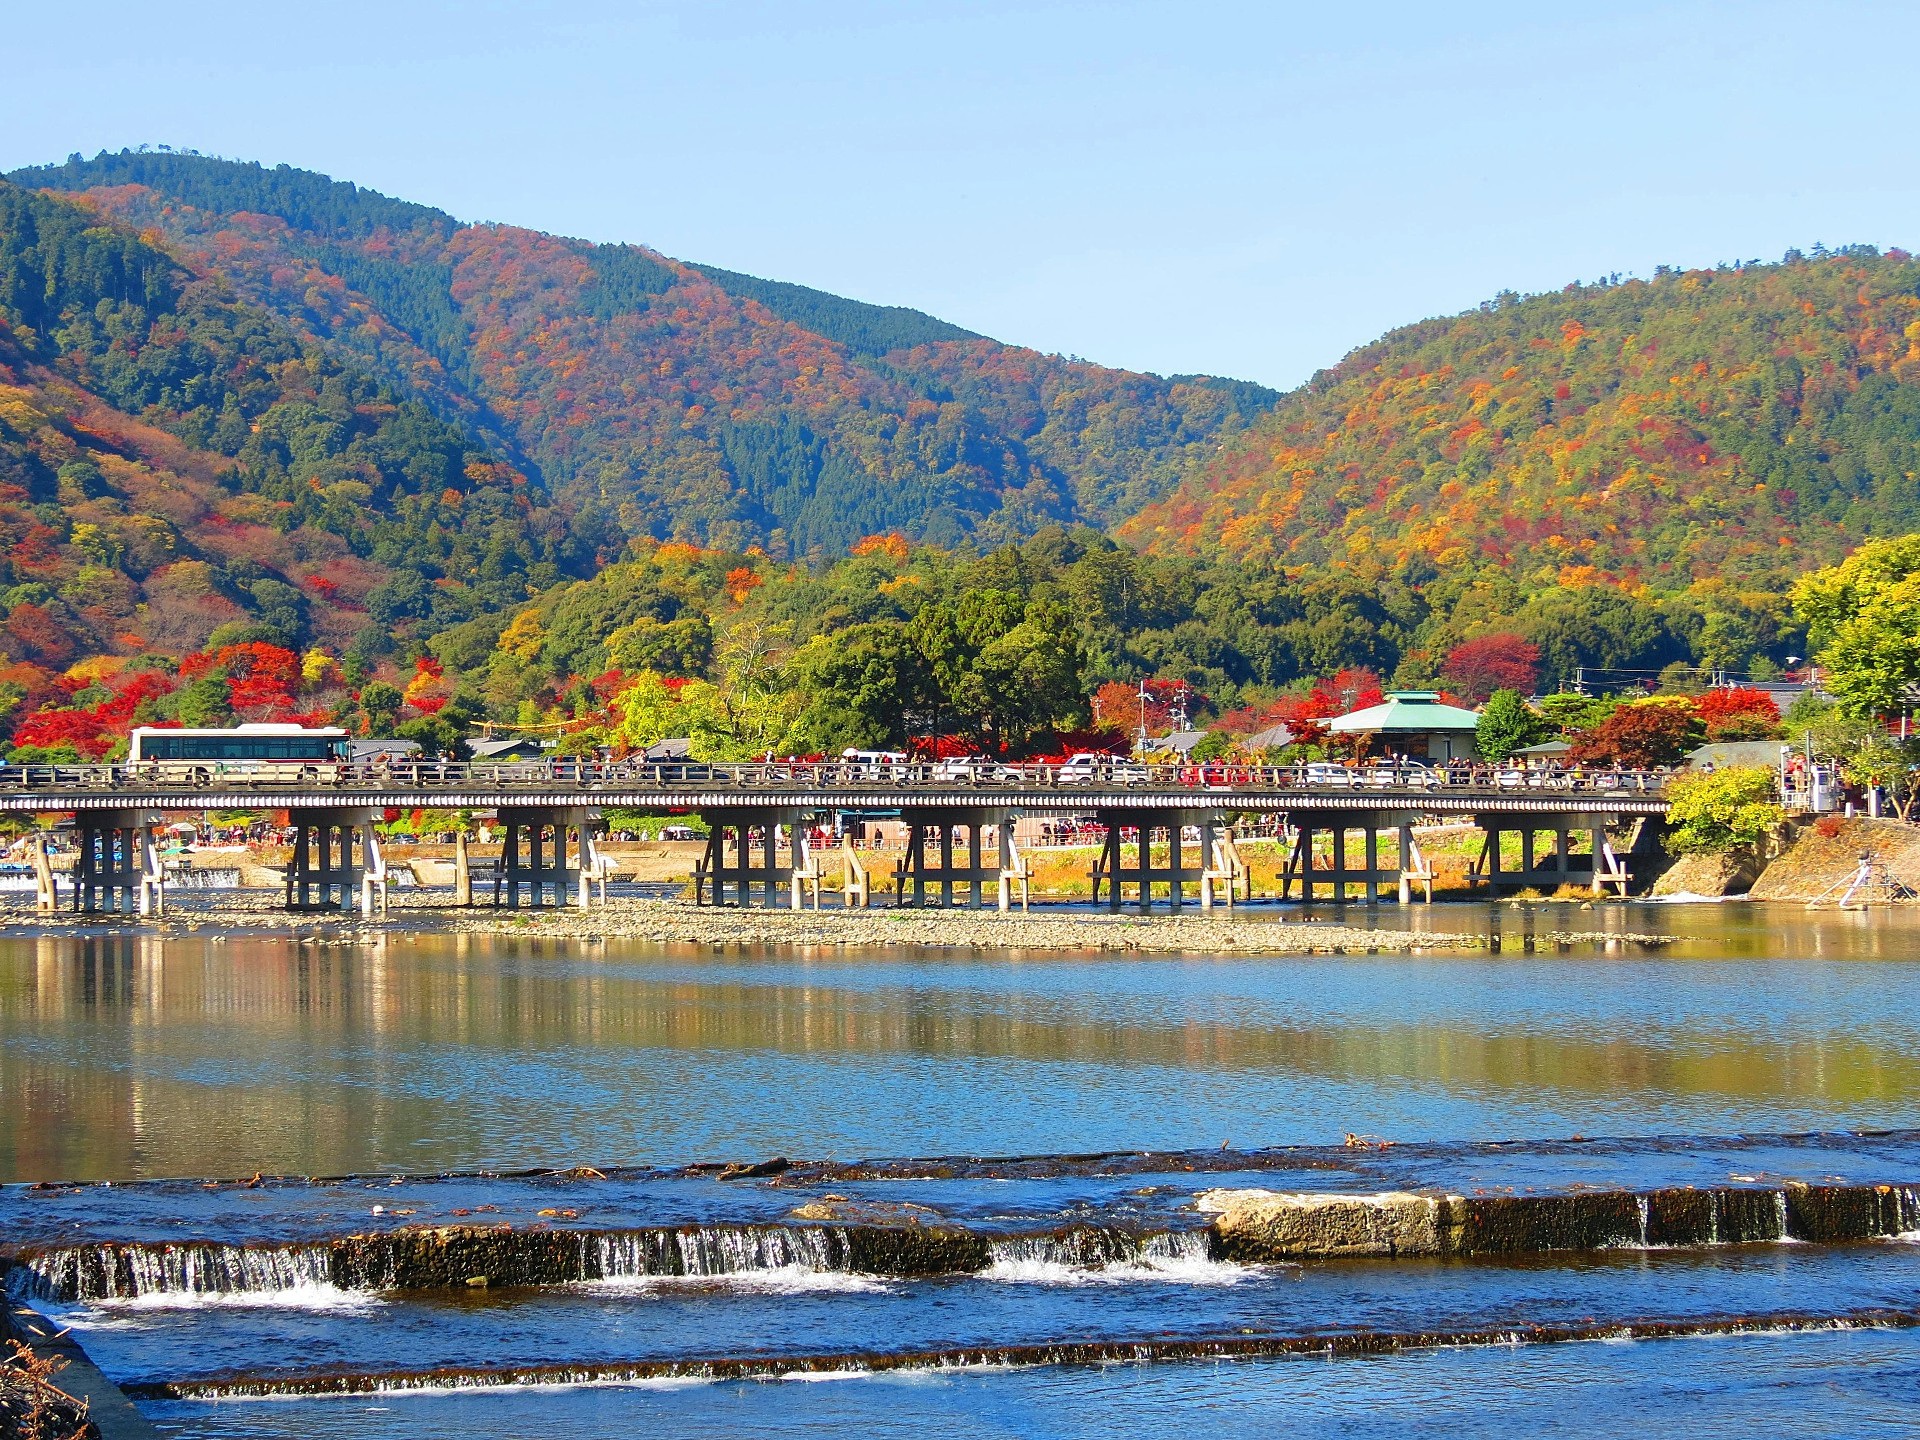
[{"x": 1245, "y": 189}]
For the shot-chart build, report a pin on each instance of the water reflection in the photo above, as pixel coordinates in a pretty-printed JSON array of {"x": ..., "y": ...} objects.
[{"x": 128, "y": 1055}]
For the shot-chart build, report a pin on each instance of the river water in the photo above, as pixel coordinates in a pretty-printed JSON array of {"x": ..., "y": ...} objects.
[{"x": 417, "y": 1061}]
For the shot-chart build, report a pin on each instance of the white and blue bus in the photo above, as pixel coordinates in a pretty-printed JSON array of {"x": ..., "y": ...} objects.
[{"x": 263, "y": 749}]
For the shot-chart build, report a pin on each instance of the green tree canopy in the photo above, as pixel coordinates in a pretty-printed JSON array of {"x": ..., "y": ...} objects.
[{"x": 1507, "y": 724}]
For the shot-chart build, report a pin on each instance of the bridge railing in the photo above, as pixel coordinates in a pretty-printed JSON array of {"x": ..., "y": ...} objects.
[{"x": 771, "y": 777}]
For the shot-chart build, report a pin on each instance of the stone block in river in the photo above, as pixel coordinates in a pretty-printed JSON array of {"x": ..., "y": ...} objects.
[
  {"x": 1715, "y": 1216},
  {"x": 1745, "y": 1216},
  {"x": 1828, "y": 1213},
  {"x": 1256, "y": 1225},
  {"x": 915, "y": 1249},
  {"x": 1524, "y": 1224},
  {"x": 1683, "y": 1216},
  {"x": 840, "y": 1210},
  {"x": 455, "y": 1256}
]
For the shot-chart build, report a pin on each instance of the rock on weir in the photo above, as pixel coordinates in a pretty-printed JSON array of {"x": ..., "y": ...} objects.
[{"x": 1260, "y": 1225}]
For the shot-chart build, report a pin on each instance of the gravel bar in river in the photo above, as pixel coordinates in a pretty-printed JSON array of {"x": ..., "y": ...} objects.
[{"x": 681, "y": 922}]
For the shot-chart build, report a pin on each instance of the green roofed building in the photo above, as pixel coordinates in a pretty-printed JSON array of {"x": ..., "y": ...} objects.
[{"x": 1413, "y": 723}]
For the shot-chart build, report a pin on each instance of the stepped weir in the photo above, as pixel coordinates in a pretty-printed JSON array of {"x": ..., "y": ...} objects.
[
  {"x": 961, "y": 845},
  {"x": 1241, "y": 1226}
]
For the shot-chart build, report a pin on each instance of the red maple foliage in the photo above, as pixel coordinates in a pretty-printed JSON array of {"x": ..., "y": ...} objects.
[
  {"x": 1641, "y": 736},
  {"x": 1056, "y": 746},
  {"x": 81, "y": 728},
  {"x": 1737, "y": 712},
  {"x": 1497, "y": 661},
  {"x": 94, "y": 730}
]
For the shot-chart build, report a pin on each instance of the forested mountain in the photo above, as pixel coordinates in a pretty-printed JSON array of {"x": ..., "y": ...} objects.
[
  {"x": 686, "y": 402},
  {"x": 179, "y": 468},
  {"x": 1739, "y": 424},
  {"x": 274, "y": 446}
]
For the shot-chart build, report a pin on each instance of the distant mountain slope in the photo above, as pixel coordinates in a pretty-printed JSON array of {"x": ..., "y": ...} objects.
[
  {"x": 690, "y": 402},
  {"x": 178, "y": 467},
  {"x": 1748, "y": 422}
]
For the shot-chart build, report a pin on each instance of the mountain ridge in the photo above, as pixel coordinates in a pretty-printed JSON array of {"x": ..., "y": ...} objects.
[
  {"x": 178, "y": 469},
  {"x": 1749, "y": 420},
  {"x": 689, "y": 402}
]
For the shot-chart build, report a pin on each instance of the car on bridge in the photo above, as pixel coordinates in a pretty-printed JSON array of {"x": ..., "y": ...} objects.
[
  {"x": 974, "y": 770},
  {"x": 1087, "y": 768},
  {"x": 874, "y": 764}
]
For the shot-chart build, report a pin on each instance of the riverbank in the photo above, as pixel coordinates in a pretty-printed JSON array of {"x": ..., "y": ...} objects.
[
  {"x": 680, "y": 922},
  {"x": 1809, "y": 861}
]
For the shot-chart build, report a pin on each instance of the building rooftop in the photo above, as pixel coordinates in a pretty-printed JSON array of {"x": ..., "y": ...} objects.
[
  {"x": 1408, "y": 712},
  {"x": 1546, "y": 747},
  {"x": 492, "y": 748},
  {"x": 359, "y": 749},
  {"x": 1271, "y": 738},
  {"x": 1180, "y": 742},
  {"x": 1727, "y": 754}
]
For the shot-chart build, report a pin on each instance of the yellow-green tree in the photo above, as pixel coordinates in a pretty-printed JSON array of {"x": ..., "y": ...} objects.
[
  {"x": 1863, "y": 622},
  {"x": 1721, "y": 812}
]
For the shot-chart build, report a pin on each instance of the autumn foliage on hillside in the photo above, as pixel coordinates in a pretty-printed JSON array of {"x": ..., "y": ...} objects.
[
  {"x": 685, "y": 403},
  {"x": 1748, "y": 421},
  {"x": 273, "y": 448},
  {"x": 183, "y": 474}
]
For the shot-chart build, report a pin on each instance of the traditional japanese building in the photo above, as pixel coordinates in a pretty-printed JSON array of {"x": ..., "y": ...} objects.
[{"x": 1415, "y": 724}]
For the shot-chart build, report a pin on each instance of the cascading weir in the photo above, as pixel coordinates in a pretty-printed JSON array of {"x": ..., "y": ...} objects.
[
  {"x": 1316, "y": 1344},
  {"x": 128, "y": 1271},
  {"x": 1248, "y": 1226},
  {"x": 461, "y": 1257}
]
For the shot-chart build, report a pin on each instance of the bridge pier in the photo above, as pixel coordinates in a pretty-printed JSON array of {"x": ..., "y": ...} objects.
[
  {"x": 118, "y": 868},
  {"x": 546, "y": 855},
  {"x": 738, "y": 875},
  {"x": 939, "y": 872},
  {"x": 1112, "y": 870},
  {"x": 325, "y": 873},
  {"x": 1601, "y": 868},
  {"x": 1408, "y": 869}
]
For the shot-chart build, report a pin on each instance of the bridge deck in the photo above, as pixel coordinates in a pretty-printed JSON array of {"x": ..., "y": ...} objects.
[{"x": 741, "y": 789}]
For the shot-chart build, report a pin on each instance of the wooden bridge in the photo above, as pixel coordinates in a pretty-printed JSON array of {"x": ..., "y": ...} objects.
[{"x": 548, "y": 812}]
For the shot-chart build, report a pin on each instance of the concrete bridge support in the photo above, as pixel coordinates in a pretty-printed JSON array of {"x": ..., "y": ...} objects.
[
  {"x": 118, "y": 868},
  {"x": 1408, "y": 869},
  {"x": 969, "y": 882},
  {"x": 1558, "y": 866},
  {"x": 752, "y": 873},
  {"x": 546, "y": 857},
  {"x": 325, "y": 873},
  {"x": 1184, "y": 865}
]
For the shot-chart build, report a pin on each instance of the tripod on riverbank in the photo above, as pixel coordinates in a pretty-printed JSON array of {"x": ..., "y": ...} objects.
[{"x": 1872, "y": 883}]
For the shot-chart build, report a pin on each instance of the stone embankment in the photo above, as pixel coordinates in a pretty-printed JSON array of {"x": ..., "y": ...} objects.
[
  {"x": 1826, "y": 854},
  {"x": 75, "y": 1398},
  {"x": 680, "y": 922},
  {"x": 1812, "y": 860}
]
